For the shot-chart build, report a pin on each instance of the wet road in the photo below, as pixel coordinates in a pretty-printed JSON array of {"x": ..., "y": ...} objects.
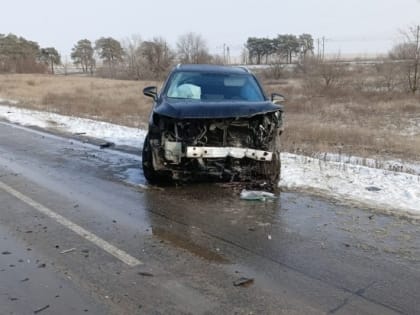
[{"x": 80, "y": 233}]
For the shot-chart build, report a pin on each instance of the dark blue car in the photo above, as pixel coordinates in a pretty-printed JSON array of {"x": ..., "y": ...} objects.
[{"x": 212, "y": 122}]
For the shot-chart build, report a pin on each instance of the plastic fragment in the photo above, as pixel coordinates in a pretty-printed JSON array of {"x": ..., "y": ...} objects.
[
  {"x": 258, "y": 195},
  {"x": 243, "y": 282},
  {"x": 41, "y": 309},
  {"x": 68, "y": 251}
]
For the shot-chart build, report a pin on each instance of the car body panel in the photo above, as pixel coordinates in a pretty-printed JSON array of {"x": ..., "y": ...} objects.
[{"x": 185, "y": 109}]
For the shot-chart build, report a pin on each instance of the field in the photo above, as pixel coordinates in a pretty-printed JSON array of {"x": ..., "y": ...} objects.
[
  {"x": 119, "y": 102},
  {"x": 352, "y": 118}
]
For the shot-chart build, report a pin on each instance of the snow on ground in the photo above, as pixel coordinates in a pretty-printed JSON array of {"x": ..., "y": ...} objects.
[
  {"x": 120, "y": 135},
  {"x": 386, "y": 185},
  {"x": 372, "y": 187}
]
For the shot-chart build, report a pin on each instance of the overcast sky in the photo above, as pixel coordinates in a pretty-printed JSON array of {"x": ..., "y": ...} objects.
[{"x": 349, "y": 26}]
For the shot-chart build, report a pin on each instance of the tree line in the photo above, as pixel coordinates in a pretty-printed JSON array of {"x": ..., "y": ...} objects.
[
  {"x": 138, "y": 59},
  {"x": 135, "y": 58},
  {"x": 19, "y": 55},
  {"x": 282, "y": 48}
]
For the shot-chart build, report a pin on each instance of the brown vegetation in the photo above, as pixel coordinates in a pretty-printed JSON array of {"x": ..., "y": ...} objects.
[
  {"x": 120, "y": 102},
  {"x": 358, "y": 116}
]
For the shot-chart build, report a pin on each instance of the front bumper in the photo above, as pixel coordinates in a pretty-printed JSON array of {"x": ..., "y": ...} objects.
[{"x": 223, "y": 152}]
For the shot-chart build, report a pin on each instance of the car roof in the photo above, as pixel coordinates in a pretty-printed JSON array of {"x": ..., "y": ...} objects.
[{"x": 211, "y": 68}]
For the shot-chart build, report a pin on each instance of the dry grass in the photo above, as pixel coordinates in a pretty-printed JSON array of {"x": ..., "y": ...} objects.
[
  {"x": 120, "y": 102},
  {"x": 373, "y": 124},
  {"x": 344, "y": 120}
]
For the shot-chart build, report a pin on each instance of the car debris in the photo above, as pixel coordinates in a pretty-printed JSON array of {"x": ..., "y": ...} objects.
[
  {"x": 106, "y": 145},
  {"x": 373, "y": 188},
  {"x": 212, "y": 122},
  {"x": 257, "y": 195},
  {"x": 68, "y": 251},
  {"x": 39, "y": 310},
  {"x": 243, "y": 282}
]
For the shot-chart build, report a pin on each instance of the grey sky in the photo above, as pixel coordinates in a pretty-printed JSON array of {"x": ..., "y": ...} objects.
[{"x": 352, "y": 26}]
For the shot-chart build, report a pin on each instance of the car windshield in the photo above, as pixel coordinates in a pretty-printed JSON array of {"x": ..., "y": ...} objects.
[{"x": 214, "y": 87}]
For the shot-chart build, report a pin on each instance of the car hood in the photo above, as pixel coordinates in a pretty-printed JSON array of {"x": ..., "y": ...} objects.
[{"x": 186, "y": 109}]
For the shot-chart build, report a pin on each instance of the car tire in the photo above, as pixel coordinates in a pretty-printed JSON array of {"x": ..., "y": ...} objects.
[
  {"x": 152, "y": 176},
  {"x": 274, "y": 168},
  {"x": 270, "y": 171}
]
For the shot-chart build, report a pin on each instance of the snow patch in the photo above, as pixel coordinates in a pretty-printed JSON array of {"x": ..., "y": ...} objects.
[
  {"x": 372, "y": 187},
  {"x": 7, "y": 101},
  {"x": 120, "y": 135}
]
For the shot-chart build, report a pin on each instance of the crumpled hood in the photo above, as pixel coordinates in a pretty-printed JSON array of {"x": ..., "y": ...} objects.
[{"x": 187, "y": 109}]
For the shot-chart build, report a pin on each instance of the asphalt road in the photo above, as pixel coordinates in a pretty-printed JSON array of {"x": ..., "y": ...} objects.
[{"x": 81, "y": 234}]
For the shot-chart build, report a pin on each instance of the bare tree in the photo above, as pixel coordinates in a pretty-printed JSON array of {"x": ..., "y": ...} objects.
[
  {"x": 157, "y": 56},
  {"x": 408, "y": 54},
  {"x": 389, "y": 75},
  {"x": 192, "y": 48},
  {"x": 132, "y": 56},
  {"x": 323, "y": 73}
]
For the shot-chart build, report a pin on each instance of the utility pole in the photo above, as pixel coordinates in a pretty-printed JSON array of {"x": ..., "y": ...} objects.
[
  {"x": 318, "y": 48},
  {"x": 323, "y": 48}
]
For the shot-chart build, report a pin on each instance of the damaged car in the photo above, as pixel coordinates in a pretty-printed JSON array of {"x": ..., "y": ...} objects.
[{"x": 212, "y": 122}]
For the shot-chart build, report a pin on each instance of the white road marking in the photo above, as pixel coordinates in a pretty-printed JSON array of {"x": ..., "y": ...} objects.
[{"x": 109, "y": 248}]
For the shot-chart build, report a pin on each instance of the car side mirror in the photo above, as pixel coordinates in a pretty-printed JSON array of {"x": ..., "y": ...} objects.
[
  {"x": 277, "y": 98},
  {"x": 150, "y": 91}
]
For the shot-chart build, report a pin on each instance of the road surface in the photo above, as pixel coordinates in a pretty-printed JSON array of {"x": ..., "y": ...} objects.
[{"x": 81, "y": 233}]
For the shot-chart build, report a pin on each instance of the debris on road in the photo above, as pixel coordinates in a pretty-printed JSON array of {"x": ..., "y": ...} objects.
[
  {"x": 68, "y": 251},
  {"x": 145, "y": 274},
  {"x": 373, "y": 188},
  {"x": 106, "y": 145},
  {"x": 257, "y": 195},
  {"x": 6, "y": 253},
  {"x": 243, "y": 282},
  {"x": 39, "y": 310}
]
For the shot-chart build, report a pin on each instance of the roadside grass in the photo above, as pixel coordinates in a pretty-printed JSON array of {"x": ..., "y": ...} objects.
[
  {"x": 342, "y": 120},
  {"x": 346, "y": 121},
  {"x": 119, "y": 102}
]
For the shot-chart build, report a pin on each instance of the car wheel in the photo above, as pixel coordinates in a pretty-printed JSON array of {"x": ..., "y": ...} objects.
[
  {"x": 270, "y": 171},
  {"x": 274, "y": 167},
  {"x": 152, "y": 176}
]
